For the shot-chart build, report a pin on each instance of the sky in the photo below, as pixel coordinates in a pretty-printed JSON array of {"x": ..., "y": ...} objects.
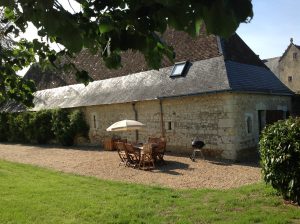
[
  {"x": 274, "y": 23},
  {"x": 269, "y": 32}
]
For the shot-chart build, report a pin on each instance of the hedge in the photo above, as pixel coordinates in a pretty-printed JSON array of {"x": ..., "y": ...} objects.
[
  {"x": 3, "y": 127},
  {"x": 43, "y": 126}
]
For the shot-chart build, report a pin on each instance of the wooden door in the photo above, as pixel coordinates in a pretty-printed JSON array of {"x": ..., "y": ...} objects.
[{"x": 274, "y": 115}]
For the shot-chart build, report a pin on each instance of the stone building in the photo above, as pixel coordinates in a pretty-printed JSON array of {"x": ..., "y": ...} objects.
[
  {"x": 221, "y": 92},
  {"x": 287, "y": 67}
]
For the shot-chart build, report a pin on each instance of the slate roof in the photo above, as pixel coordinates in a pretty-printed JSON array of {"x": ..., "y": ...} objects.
[
  {"x": 235, "y": 49},
  {"x": 206, "y": 76},
  {"x": 186, "y": 48},
  {"x": 146, "y": 85},
  {"x": 250, "y": 78},
  {"x": 218, "y": 65}
]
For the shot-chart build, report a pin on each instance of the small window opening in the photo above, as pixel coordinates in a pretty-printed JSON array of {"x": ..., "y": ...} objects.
[
  {"x": 295, "y": 55},
  {"x": 249, "y": 125},
  {"x": 94, "y": 119},
  {"x": 180, "y": 69},
  {"x": 290, "y": 78},
  {"x": 169, "y": 125}
]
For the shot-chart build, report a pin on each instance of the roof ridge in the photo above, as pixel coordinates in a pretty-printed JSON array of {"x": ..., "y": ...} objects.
[{"x": 235, "y": 49}]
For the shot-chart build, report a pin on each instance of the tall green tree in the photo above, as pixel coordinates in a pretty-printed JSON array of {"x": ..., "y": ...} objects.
[
  {"x": 108, "y": 28},
  {"x": 13, "y": 57}
]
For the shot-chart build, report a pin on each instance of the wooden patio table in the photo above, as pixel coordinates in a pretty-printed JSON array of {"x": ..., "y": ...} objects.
[{"x": 139, "y": 146}]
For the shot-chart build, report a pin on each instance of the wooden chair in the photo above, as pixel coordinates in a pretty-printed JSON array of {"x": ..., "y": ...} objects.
[
  {"x": 159, "y": 151},
  {"x": 133, "y": 155},
  {"x": 146, "y": 159},
  {"x": 154, "y": 140},
  {"x": 120, "y": 146}
]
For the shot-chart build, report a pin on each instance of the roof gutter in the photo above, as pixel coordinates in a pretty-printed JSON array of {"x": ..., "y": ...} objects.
[
  {"x": 224, "y": 91},
  {"x": 194, "y": 94}
]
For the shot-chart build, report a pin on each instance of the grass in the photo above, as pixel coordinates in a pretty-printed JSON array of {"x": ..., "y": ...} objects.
[{"x": 30, "y": 194}]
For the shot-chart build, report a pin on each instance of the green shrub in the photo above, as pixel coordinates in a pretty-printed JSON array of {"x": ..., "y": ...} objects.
[
  {"x": 3, "y": 127},
  {"x": 61, "y": 127},
  {"x": 14, "y": 130},
  {"x": 42, "y": 125},
  {"x": 27, "y": 126},
  {"x": 66, "y": 125},
  {"x": 20, "y": 127},
  {"x": 280, "y": 157},
  {"x": 78, "y": 124}
]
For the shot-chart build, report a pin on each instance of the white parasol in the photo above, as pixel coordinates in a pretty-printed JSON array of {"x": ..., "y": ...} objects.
[{"x": 125, "y": 125}]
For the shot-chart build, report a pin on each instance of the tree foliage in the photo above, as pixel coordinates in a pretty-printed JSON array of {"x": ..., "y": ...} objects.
[
  {"x": 108, "y": 28},
  {"x": 280, "y": 157},
  {"x": 13, "y": 57}
]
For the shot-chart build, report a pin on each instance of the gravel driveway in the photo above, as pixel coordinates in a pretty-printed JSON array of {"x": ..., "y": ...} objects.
[{"x": 179, "y": 172}]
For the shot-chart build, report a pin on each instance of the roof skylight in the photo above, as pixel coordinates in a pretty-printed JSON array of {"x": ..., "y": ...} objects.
[{"x": 180, "y": 69}]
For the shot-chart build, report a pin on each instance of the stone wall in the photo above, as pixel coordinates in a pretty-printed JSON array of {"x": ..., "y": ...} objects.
[
  {"x": 217, "y": 119},
  {"x": 186, "y": 117},
  {"x": 249, "y": 105},
  {"x": 289, "y": 66},
  {"x": 201, "y": 117}
]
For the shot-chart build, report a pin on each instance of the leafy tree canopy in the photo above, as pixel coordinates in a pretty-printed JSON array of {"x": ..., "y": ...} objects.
[{"x": 106, "y": 27}]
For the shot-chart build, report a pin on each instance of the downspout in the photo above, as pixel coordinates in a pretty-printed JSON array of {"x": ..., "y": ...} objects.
[
  {"x": 161, "y": 119},
  {"x": 136, "y": 118}
]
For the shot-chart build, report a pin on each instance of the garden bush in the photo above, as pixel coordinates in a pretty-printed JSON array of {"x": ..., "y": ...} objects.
[
  {"x": 66, "y": 125},
  {"x": 14, "y": 133},
  {"x": 42, "y": 124},
  {"x": 280, "y": 157},
  {"x": 78, "y": 125},
  {"x": 27, "y": 126},
  {"x": 61, "y": 127},
  {"x": 3, "y": 127},
  {"x": 20, "y": 127}
]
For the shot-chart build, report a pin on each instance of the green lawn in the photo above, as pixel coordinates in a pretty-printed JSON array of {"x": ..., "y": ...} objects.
[{"x": 34, "y": 195}]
